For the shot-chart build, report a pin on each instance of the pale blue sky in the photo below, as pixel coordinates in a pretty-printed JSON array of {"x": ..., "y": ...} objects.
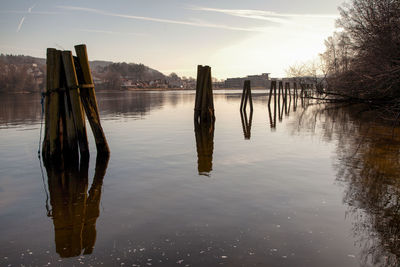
[{"x": 235, "y": 38}]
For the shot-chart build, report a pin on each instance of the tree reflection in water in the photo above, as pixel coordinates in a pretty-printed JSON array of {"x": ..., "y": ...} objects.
[
  {"x": 74, "y": 211},
  {"x": 368, "y": 164}
]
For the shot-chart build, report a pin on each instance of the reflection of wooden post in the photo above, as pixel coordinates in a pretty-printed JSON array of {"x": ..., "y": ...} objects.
[
  {"x": 88, "y": 98},
  {"x": 204, "y": 133},
  {"x": 272, "y": 118},
  {"x": 204, "y": 102},
  {"x": 246, "y": 123},
  {"x": 89, "y": 232},
  {"x": 246, "y": 96},
  {"x": 74, "y": 212},
  {"x": 295, "y": 89},
  {"x": 74, "y": 93},
  {"x": 51, "y": 144}
]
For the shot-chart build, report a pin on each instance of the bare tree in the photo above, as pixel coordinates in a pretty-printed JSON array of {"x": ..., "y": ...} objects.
[{"x": 363, "y": 60}]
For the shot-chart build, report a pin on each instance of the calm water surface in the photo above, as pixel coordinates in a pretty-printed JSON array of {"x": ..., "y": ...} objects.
[{"x": 303, "y": 185}]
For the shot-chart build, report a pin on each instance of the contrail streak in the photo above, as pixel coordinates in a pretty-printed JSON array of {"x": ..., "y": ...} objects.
[
  {"x": 20, "y": 24},
  {"x": 188, "y": 23}
]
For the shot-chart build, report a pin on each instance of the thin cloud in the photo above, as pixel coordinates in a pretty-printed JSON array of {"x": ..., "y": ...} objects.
[
  {"x": 111, "y": 32},
  {"x": 23, "y": 18},
  {"x": 262, "y": 14},
  {"x": 180, "y": 22},
  {"x": 27, "y": 12},
  {"x": 20, "y": 24}
]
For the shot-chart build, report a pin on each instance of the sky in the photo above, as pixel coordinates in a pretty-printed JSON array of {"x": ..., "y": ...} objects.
[{"x": 235, "y": 38}]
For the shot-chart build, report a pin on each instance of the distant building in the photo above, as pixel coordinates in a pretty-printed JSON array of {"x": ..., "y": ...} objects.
[{"x": 255, "y": 80}]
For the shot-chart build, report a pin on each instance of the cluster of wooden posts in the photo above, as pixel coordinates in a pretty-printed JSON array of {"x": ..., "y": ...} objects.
[
  {"x": 286, "y": 92},
  {"x": 69, "y": 96}
]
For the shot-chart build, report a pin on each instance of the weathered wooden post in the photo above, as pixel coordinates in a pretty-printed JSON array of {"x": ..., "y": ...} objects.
[
  {"x": 88, "y": 98},
  {"x": 204, "y": 102},
  {"x": 273, "y": 87},
  {"x": 287, "y": 90},
  {"x": 74, "y": 93},
  {"x": 69, "y": 82},
  {"x": 51, "y": 143},
  {"x": 302, "y": 86},
  {"x": 246, "y": 96}
]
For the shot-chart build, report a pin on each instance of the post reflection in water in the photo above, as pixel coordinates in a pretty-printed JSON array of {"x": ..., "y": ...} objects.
[
  {"x": 246, "y": 123},
  {"x": 74, "y": 210},
  {"x": 205, "y": 146}
]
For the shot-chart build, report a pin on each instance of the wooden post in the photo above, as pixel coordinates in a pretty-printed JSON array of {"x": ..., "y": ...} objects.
[
  {"x": 51, "y": 143},
  {"x": 74, "y": 93},
  {"x": 273, "y": 87},
  {"x": 302, "y": 86},
  {"x": 70, "y": 140},
  {"x": 199, "y": 92},
  {"x": 88, "y": 98},
  {"x": 287, "y": 89},
  {"x": 204, "y": 102},
  {"x": 246, "y": 96}
]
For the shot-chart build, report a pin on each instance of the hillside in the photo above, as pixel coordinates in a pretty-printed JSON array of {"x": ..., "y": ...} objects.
[{"x": 20, "y": 73}]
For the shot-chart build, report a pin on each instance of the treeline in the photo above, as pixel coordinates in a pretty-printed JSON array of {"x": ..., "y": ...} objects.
[
  {"x": 21, "y": 73},
  {"x": 113, "y": 75},
  {"x": 362, "y": 60}
]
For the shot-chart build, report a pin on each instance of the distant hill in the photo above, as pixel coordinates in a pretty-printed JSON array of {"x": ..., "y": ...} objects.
[
  {"x": 132, "y": 71},
  {"x": 21, "y": 59},
  {"x": 95, "y": 64},
  {"x": 14, "y": 66}
]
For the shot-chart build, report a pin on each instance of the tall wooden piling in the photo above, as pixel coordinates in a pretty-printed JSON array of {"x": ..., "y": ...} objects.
[
  {"x": 280, "y": 91},
  {"x": 204, "y": 102},
  {"x": 77, "y": 110},
  {"x": 88, "y": 98},
  {"x": 246, "y": 96},
  {"x": 287, "y": 90},
  {"x": 273, "y": 87},
  {"x": 51, "y": 144}
]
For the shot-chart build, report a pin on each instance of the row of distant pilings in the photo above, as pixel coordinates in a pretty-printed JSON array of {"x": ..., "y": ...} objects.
[{"x": 204, "y": 113}]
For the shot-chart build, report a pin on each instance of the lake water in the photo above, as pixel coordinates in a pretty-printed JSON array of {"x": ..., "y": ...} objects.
[{"x": 310, "y": 185}]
